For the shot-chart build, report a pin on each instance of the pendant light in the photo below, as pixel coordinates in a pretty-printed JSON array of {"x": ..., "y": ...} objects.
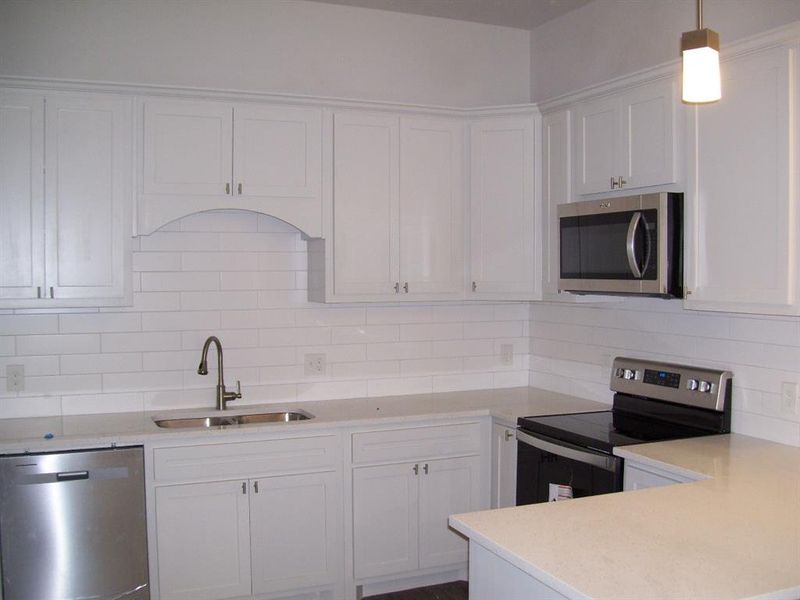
[{"x": 700, "y": 51}]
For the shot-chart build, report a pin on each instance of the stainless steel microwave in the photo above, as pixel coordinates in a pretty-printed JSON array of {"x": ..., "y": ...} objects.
[{"x": 630, "y": 245}]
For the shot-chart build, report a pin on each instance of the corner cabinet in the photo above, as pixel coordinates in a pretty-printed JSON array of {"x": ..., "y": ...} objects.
[
  {"x": 626, "y": 140},
  {"x": 505, "y": 251},
  {"x": 203, "y": 155},
  {"x": 395, "y": 219},
  {"x": 250, "y": 518},
  {"x": 742, "y": 225},
  {"x": 65, "y": 199}
]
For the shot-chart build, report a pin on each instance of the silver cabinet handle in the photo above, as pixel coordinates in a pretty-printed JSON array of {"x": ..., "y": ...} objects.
[
  {"x": 630, "y": 245},
  {"x": 621, "y": 181},
  {"x": 227, "y": 188},
  {"x": 255, "y": 486},
  {"x": 397, "y": 288},
  {"x": 39, "y": 291},
  {"x": 425, "y": 468},
  {"x": 613, "y": 182},
  {"x": 405, "y": 287},
  {"x": 474, "y": 287},
  {"x": 239, "y": 188},
  {"x": 244, "y": 487},
  {"x": 415, "y": 468},
  {"x": 509, "y": 434},
  {"x": 51, "y": 292}
]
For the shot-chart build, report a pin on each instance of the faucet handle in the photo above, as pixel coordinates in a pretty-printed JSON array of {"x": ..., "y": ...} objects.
[{"x": 238, "y": 389}]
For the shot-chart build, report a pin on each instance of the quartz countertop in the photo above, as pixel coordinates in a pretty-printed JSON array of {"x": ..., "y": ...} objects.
[
  {"x": 735, "y": 533},
  {"x": 102, "y": 430}
]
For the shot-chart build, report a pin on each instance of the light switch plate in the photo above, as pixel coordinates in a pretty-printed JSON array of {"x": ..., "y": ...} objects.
[
  {"x": 507, "y": 354},
  {"x": 789, "y": 397}
]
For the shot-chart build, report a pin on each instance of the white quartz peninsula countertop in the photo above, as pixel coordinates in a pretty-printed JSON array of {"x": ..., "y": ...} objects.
[
  {"x": 735, "y": 534},
  {"x": 103, "y": 430}
]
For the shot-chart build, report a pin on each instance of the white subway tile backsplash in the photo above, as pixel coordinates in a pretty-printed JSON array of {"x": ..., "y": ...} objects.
[
  {"x": 156, "y": 261},
  {"x": 179, "y": 281},
  {"x": 34, "y": 365},
  {"x": 211, "y": 300},
  {"x": 324, "y": 390},
  {"x": 221, "y": 220},
  {"x": 505, "y": 329},
  {"x": 307, "y": 317},
  {"x": 366, "y": 369},
  {"x": 257, "y": 242},
  {"x": 431, "y": 331},
  {"x": 463, "y": 381},
  {"x": 249, "y": 280},
  {"x": 174, "y": 241},
  {"x": 26, "y": 407},
  {"x": 399, "y": 350},
  {"x": 176, "y": 360},
  {"x": 55, "y": 385},
  {"x": 295, "y": 336},
  {"x": 398, "y": 386},
  {"x": 180, "y": 321},
  {"x": 141, "y": 342},
  {"x": 28, "y": 324},
  {"x": 100, "y": 322},
  {"x": 58, "y": 344},
  {"x": 126, "y": 362},
  {"x": 223, "y": 262},
  {"x": 229, "y": 338},
  {"x": 132, "y": 382},
  {"x": 7, "y": 345},
  {"x": 102, "y": 403},
  {"x": 355, "y": 334}
]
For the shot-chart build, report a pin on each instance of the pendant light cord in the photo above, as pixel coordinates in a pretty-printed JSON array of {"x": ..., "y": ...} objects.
[{"x": 699, "y": 14}]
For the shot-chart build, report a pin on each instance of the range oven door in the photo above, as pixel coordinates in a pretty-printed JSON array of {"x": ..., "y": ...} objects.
[{"x": 542, "y": 460}]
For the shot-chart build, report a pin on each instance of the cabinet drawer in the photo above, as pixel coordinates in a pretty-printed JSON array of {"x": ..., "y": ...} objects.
[
  {"x": 416, "y": 443},
  {"x": 245, "y": 459}
]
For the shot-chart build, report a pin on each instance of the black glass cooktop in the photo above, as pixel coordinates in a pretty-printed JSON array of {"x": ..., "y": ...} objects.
[{"x": 606, "y": 429}]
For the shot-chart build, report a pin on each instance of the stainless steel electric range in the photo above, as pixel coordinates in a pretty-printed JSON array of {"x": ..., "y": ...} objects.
[{"x": 653, "y": 401}]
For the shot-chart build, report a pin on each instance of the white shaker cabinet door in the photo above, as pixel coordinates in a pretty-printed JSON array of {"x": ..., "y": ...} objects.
[
  {"x": 741, "y": 205},
  {"x": 203, "y": 540},
  {"x": 385, "y": 519},
  {"x": 431, "y": 207},
  {"x": 365, "y": 205},
  {"x": 597, "y": 145},
  {"x": 88, "y": 196},
  {"x": 188, "y": 148},
  {"x": 503, "y": 243},
  {"x": 649, "y": 147},
  {"x": 446, "y": 487},
  {"x": 294, "y": 531},
  {"x": 556, "y": 189},
  {"x": 277, "y": 151},
  {"x": 21, "y": 195},
  {"x": 504, "y": 466}
]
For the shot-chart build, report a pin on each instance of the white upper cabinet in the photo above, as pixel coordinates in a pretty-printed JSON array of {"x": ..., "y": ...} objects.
[
  {"x": 431, "y": 207},
  {"x": 505, "y": 257},
  {"x": 65, "y": 199},
  {"x": 741, "y": 250},
  {"x": 626, "y": 140},
  {"x": 201, "y": 155},
  {"x": 397, "y": 209},
  {"x": 365, "y": 205},
  {"x": 556, "y": 189},
  {"x": 88, "y": 196},
  {"x": 21, "y": 194}
]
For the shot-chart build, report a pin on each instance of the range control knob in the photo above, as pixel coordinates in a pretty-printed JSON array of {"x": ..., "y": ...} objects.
[
  {"x": 691, "y": 385},
  {"x": 704, "y": 387},
  {"x": 619, "y": 372},
  {"x": 629, "y": 374}
]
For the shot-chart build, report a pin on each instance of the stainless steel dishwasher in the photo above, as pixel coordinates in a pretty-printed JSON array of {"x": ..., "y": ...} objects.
[{"x": 73, "y": 525}]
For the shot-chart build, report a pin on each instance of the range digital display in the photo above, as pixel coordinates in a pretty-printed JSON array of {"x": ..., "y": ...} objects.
[{"x": 662, "y": 378}]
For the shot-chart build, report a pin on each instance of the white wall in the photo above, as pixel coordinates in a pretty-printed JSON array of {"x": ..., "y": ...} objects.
[
  {"x": 242, "y": 277},
  {"x": 277, "y": 46},
  {"x": 610, "y": 38}
]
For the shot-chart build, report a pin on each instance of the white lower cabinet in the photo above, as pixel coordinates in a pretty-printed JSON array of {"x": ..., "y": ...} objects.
[
  {"x": 638, "y": 477},
  {"x": 262, "y": 536},
  {"x": 504, "y": 466},
  {"x": 400, "y": 514}
]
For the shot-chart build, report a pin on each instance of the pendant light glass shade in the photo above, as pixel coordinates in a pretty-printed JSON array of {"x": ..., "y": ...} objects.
[{"x": 700, "y": 51}]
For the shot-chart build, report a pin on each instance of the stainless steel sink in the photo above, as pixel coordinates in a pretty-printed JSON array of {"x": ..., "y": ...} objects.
[{"x": 230, "y": 420}]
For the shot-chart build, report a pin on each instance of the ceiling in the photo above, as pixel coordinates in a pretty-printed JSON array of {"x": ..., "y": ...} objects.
[{"x": 522, "y": 14}]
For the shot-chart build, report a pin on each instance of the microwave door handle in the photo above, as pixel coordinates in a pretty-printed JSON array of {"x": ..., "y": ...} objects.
[
  {"x": 570, "y": 451},
  {"x": 630, "y": 245}
]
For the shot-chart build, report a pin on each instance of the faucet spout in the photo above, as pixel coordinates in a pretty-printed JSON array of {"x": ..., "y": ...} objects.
[{"x": 223, "y": 396}]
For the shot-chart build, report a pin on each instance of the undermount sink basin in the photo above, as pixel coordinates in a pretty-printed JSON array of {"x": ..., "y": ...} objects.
[{"x": 229, "y": 420}]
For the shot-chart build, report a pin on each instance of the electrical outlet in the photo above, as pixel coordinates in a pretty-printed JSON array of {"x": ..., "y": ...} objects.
[
  {"x": 507, "y": 354},
  {"x": 315, "y": 364},
  {"x": 789, "y": 397},
  {"x": 15, "y": 378}
]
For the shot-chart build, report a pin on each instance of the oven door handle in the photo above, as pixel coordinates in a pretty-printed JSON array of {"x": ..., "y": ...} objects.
[
  {"x": 630, "y": 246},
  {"x": 595, "y": 459}
]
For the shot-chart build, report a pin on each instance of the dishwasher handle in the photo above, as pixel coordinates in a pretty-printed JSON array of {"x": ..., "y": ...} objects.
[
  {"x": 72, "y": 475},
  {"x": 570, "y": 451}
]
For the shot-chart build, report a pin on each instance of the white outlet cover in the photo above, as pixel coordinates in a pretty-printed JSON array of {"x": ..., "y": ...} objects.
[
  {"x": 507, "y": 354},
  {"x": 314, "y": 364},
  {"x": 789, "y": 397},
  {"x": 15, "y": 378}
]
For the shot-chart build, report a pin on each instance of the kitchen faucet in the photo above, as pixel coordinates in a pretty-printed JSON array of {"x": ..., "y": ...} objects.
[{"x": 223, "y": 397}]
